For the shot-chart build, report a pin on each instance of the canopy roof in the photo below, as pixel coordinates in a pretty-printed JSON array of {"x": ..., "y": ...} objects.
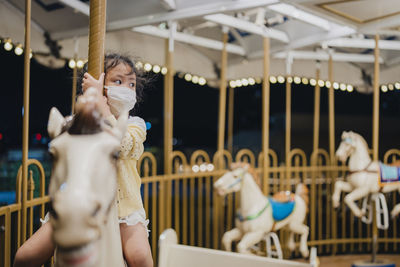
[{"x": 302, "y": 31}]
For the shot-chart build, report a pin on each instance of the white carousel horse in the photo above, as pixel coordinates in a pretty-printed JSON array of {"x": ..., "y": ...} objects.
[
  {"x": 259, "y": 215},
  {"x": 83, "y": 187},
  {"x": 365, "y": 176}
]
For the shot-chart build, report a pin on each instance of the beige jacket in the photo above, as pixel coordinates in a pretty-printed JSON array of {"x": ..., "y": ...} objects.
[{"x": 129, "y": 199}]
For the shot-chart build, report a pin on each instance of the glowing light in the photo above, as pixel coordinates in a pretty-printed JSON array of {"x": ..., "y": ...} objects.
[
  {"x": 139, "y": 65},
  {"x": 203, "y": 167},
  {"x": 80, "y": 63},
  {"x": 281, "y": 79},
  {"x": 272, "y": 79},
  {"x": 252, "y": 81},
  {"x": 350, "y": 88},
  {"x": 195, "y": 168},
  {"x": 164, "y": 70},
  {"x": 1, "y": 136},
  {"x": 289, "y": 79},
  {"x": 188, "y": 77},
  {"x": 202, "y": 81},
  {"x": 210, "y": 167},
  {"x": 397, "y": 86},
  {"x": 258, "y": 80},
  {"x": 343, "y": 87},
  {"x": 195, "y": 79},
  {"x": 391, "y": 87},
  {"x": 384, "y": 88},
  {"x": 148, "y": 125},
  {"x": 321, "y": 83},
  {"x": 156, "y": 69},
  {"x": 8, "y": 45},
  {"x": 304, "y": 80},
  {"x": 18, "y": 50},
  {"x": 313, "y": 82},
  {"x": 238, "y": 83},
  {"x": 38, "y": 136},
  {"x": 336, "y": 85},
  {"x": 245, "y": 82},
  {"x": 71, "y": 63},
  {"x": 232, "y": 84},
  {"x": 297, "y": 80},
  {"x": 328, "y": 84},
  {"x": 147, "y": 67}
]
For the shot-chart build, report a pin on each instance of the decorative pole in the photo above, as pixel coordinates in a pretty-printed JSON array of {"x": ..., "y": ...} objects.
[
  {"x": 231, "y": 97},
  {"x": 25, "y": 126},
  {"x": 265, "y": 115},
  {"x": 289, "y": 61}
]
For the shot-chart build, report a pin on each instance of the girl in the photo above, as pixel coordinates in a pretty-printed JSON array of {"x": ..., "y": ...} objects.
[{"x": 123, "y": 86}]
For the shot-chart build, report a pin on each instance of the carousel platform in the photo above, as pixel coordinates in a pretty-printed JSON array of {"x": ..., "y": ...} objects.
[{"x": 348, "y": 260}]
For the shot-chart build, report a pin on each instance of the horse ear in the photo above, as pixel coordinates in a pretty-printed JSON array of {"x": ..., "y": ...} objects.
[{"x": 55, "y": 124}]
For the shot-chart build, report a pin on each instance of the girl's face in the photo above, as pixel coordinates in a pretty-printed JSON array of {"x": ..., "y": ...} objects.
[{"x": 121, "y": 75}]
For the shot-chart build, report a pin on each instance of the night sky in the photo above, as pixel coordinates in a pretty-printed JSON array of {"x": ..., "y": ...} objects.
[{"x": 196, "y": 111}]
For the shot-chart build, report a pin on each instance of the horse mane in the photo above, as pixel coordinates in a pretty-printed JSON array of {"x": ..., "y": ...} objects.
[
  {"x": 87, "y": 120},
  {"x": 250, "y": 170},
  {"x": 362, "y": 140}
]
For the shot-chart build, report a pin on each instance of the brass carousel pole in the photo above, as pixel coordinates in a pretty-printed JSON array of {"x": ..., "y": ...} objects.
[
  {"x": 265, "y": 115},
  {"x": 222, "y": 100},
  {"x": 168, "y": 127},
  {"x": 25, "y": 127},
  {"x": 375, "y": 139},
  {"x": 74, "y": 78},
  {"x": 231, "y": 97},
  {"x": 289, "y": 61},
  {"x": 97, "y": 32}
]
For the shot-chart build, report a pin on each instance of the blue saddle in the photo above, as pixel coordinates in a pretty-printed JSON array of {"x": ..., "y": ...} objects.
[
  {"x": 389, "y": 174},
  {"x": 281, "y": 210}
]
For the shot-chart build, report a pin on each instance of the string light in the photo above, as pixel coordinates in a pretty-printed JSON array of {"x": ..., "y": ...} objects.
[
  {"x": 313, "y": 82},
  {"x": 397, "y": 86},
  {"x": 156, "y": 69},
  {"x": 272, "y": 79},
  {"x": 350, "y": 88},
  {"x": 245, "y": 82},
  {"x": 188, "y": 77},
  {"x": 343, "y": 87},
  {"x": 238, "y": 83},
  {"x": 289, "y": 79},
  {"x": 391, "y": 87},
  {"x": 147, "y": 67},
  {"x": 18, "y": 50},
  {"x": 71, "y": 63},
  {"x": 281, "y": 79},
  {"x": 80, "y": 64},
  {"x": 258, "y": 80},
  {"x": 139, "y": 65},
  {"x": 232, "y": 84},
  {"x": 297, "y": 80},
  {"x": 321, "y": 83},
  {"x": 328, "y": 84},
  {"x": 304, "y": 80},
  {"x": 336, "y": 85},
  {"x": 384, "y": 88},
  {"x": 195, "y": 79},
  {"x": 164, "y": 70},
  {"x": 252, "y": 81},
  {"x": 8, "y": 45},
  {"x": 202, "y": 81}
]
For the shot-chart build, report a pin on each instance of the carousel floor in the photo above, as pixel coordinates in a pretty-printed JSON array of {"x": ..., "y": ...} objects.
[{"x": 347, "y": 260}]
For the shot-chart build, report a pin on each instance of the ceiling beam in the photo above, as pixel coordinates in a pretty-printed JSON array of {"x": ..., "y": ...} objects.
[
  {"x": 179, "y": 14},
  {"x": 248, "y": 26},
  {"x": 190, "y": 39},
  {"x": 382, "y": 24},
  {"x": 362, "y": 43},
  {"x": 78, "y": 6},
  {"x": 324, "y": 56}
]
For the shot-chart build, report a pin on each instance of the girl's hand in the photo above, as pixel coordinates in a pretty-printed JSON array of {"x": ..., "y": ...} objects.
[
  {"x": 104, "y": 107},
  {"x": 89, "y": 81}
]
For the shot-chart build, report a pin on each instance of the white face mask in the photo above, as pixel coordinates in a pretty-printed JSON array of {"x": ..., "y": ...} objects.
[{"x": 120, "y": 99}]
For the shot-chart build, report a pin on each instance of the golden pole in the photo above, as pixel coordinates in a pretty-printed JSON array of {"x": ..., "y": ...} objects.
[
  {"x": 230, "y": 119},
  {"x": 25, "y": 127},
  {"x": 265, "y": 115},
  {"x": 375, "y": 139},
  {"x": 332, "y": 138},
  {"x": 97, "y": 32},
  {"x": 222, "y": 101},
  {"x": 74, "y": 78},
  {"x": 317, "y": 101},
  {"x": 288, "y": 119}
]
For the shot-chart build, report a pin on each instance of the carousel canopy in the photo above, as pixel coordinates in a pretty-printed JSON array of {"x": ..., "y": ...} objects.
[{"x": 302, "y": 33}]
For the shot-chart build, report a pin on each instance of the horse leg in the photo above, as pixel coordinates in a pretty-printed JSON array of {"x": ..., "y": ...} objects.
[
  {"x": 300, "y": 228},
  {"x": 357, "y": 194},
  {"x": 291, "y": 243},
  {"x": 396, "y": 209},
  {"x": 248, "y": 240},
  {"x": 339, "y": 187},
  {"x": 229, "y": 237}
]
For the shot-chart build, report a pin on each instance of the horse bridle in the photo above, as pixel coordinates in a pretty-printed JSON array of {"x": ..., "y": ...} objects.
[{"x": 237, "y": 180}]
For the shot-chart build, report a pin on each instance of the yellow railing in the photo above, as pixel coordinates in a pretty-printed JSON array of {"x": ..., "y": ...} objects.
[{"x": 185, "y": 201}]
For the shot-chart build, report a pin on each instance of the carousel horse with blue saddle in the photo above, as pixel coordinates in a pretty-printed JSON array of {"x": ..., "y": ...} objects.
[
  {"x": 259, "y": 215},
  {"x": 365, "y": 178}
]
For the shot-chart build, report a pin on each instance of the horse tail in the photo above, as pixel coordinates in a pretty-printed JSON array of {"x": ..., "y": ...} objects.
[{"x": 303, "y": 192}]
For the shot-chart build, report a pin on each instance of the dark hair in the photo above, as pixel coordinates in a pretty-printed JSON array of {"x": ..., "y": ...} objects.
[{"x": 111, "y": 60}]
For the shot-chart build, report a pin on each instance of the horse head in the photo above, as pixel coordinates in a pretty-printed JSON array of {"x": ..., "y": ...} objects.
[
  {"x": 83, "y": 181},
  {"x": 347, "y": 145}
]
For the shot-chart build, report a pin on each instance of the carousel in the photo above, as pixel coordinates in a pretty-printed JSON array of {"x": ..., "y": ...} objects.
[{"x": 330, "y": 207}]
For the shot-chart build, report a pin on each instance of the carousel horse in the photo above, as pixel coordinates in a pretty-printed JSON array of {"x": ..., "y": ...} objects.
[
  {"x": 365, "y": 176},
  {"x": 83, "y": 186},
  {"x": 259, "y": 215}
]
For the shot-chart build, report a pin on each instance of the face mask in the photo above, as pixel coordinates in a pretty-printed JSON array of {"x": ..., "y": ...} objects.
[{"x": 120, "y": 99}]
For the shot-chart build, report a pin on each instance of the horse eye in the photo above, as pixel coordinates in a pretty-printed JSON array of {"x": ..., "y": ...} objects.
[{"x": 115, "y": 155}]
